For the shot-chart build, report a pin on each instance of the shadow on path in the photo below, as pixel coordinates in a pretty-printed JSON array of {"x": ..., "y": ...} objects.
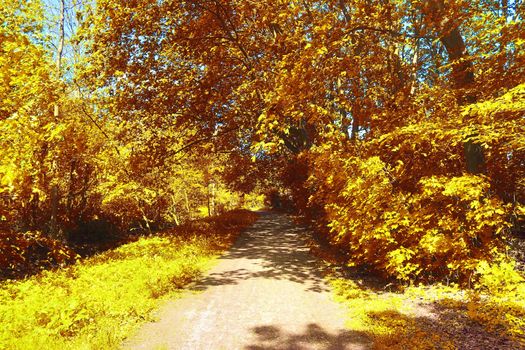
[
  {"x": 277, "y": 249},
  {"x": 266, "y": 292},
  {"x": 275, "y": 338}
]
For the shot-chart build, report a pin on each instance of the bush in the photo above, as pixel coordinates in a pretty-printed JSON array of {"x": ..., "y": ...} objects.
[
  {"x": 26, "y": 253},
  {"x": 97, "y": 302},
  {"x": 444, "y": 228}
]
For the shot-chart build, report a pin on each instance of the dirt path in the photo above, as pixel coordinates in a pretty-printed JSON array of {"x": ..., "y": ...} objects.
[{"x": 267, "y": 292}]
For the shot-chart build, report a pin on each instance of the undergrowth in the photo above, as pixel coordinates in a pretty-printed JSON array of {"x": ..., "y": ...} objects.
[
  {"x": 97, "y": 302},
  {"x": 434, "y": 317}
]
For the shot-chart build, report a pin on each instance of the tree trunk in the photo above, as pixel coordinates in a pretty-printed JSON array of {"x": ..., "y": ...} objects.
[
  {"x": 462, "y": 76},
  {"x": 187, "y": 202},
  {"x": 174, "y": 210},
  {"x": 415, "y": 60},
  {"x": 53, "y": 222},
  {"x": 71, "y": 191},
  {"x": 211, "y": 199},
  {"x": 53, "y": 227},
  {"x": 60, "y": 51}
]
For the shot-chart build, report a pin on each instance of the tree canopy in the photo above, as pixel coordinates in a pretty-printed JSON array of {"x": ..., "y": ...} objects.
[{"x": 396, "y": 126}]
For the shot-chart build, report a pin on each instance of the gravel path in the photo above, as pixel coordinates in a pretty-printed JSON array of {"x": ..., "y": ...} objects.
[{"x": 267, "y": 292}]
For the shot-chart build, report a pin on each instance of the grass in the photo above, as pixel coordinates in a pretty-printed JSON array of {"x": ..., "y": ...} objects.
[
  {"x": 431, "y": 317},
  {"x": 489, "y": 314},
  {"x": 388, "y": 319},
  {"x": 98, "y": 302}
]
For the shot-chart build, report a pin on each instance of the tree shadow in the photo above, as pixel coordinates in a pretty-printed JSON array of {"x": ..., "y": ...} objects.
[
  {"x": 467, "y": 332},
  {"x": 444, "y": 328},
  {"x": 277, "y": 249},
  {"x": 441, "y": 329},
  {"x": 438, "y": 325},
  {"x": 272, "y": 337}
]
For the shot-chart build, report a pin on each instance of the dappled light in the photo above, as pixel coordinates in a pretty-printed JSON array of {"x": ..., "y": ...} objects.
[
  {"x": 266, "y": 277},
  {"x": 258, "y": 159},
  {"x": 314, "y": 336},
  {"x": 275, "y": 249},
  {"x": 419, "y": 318},
  {"x": 97, "y": 302}
]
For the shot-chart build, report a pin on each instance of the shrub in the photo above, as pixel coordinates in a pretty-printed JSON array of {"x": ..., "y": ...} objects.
[
  {"x": 97, "y": 302},
  {"x": 444, "y": 228},
  {"x": 26, "y": 253}
]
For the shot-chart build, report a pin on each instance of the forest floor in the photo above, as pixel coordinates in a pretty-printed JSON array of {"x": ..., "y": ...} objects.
[
  {"x": 98, "y": 301},
  {"x": 267, "y": 292},
  {"x": 270, "y": 292}
]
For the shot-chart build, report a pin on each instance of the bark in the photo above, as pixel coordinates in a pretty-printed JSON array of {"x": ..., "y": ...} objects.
[
  {"x": 357, "y": 93},
  {"x": 187, "y": 202},
  {"x": 144, "y": 216},
  {"x": 174, "y": 210},
  {"x": 355, "y": 127},
  {"x": 55, "y": 198},
  {"x": 462, "y": 75},
  {"x": 83, "y": 194},
  {"x": 299, "y": 138},
  {"x": 415, "y": 60},
  {"x": 60, "y": 51},
  {"x": 211, "y": 199},
  {"x": 463, "y": 78},
  {"x": 502, "y": 42},
  {"x": 53, "y": 222},
  {"x": 71, "y": 191}
]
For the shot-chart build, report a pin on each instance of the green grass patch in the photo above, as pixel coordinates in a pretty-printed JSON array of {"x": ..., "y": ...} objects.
[{"x": 98, "y": 302}]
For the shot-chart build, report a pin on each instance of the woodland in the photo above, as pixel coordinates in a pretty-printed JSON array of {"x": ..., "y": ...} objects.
[{"x": 394, "y": 128}]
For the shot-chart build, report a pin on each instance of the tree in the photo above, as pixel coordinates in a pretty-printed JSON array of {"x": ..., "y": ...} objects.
[{"x": 375, "y": 118}]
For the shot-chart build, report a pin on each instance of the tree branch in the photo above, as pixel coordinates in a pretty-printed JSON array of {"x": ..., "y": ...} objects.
[{"x": 385, "y": 31}]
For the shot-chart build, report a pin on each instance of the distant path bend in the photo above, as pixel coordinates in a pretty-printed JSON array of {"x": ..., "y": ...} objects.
[{"x": 266, "y": 292}]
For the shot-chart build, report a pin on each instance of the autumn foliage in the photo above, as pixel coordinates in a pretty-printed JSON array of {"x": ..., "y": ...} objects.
[
  {"x": 101, "y": 300},
  {"x": 396, "y": 126}
]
